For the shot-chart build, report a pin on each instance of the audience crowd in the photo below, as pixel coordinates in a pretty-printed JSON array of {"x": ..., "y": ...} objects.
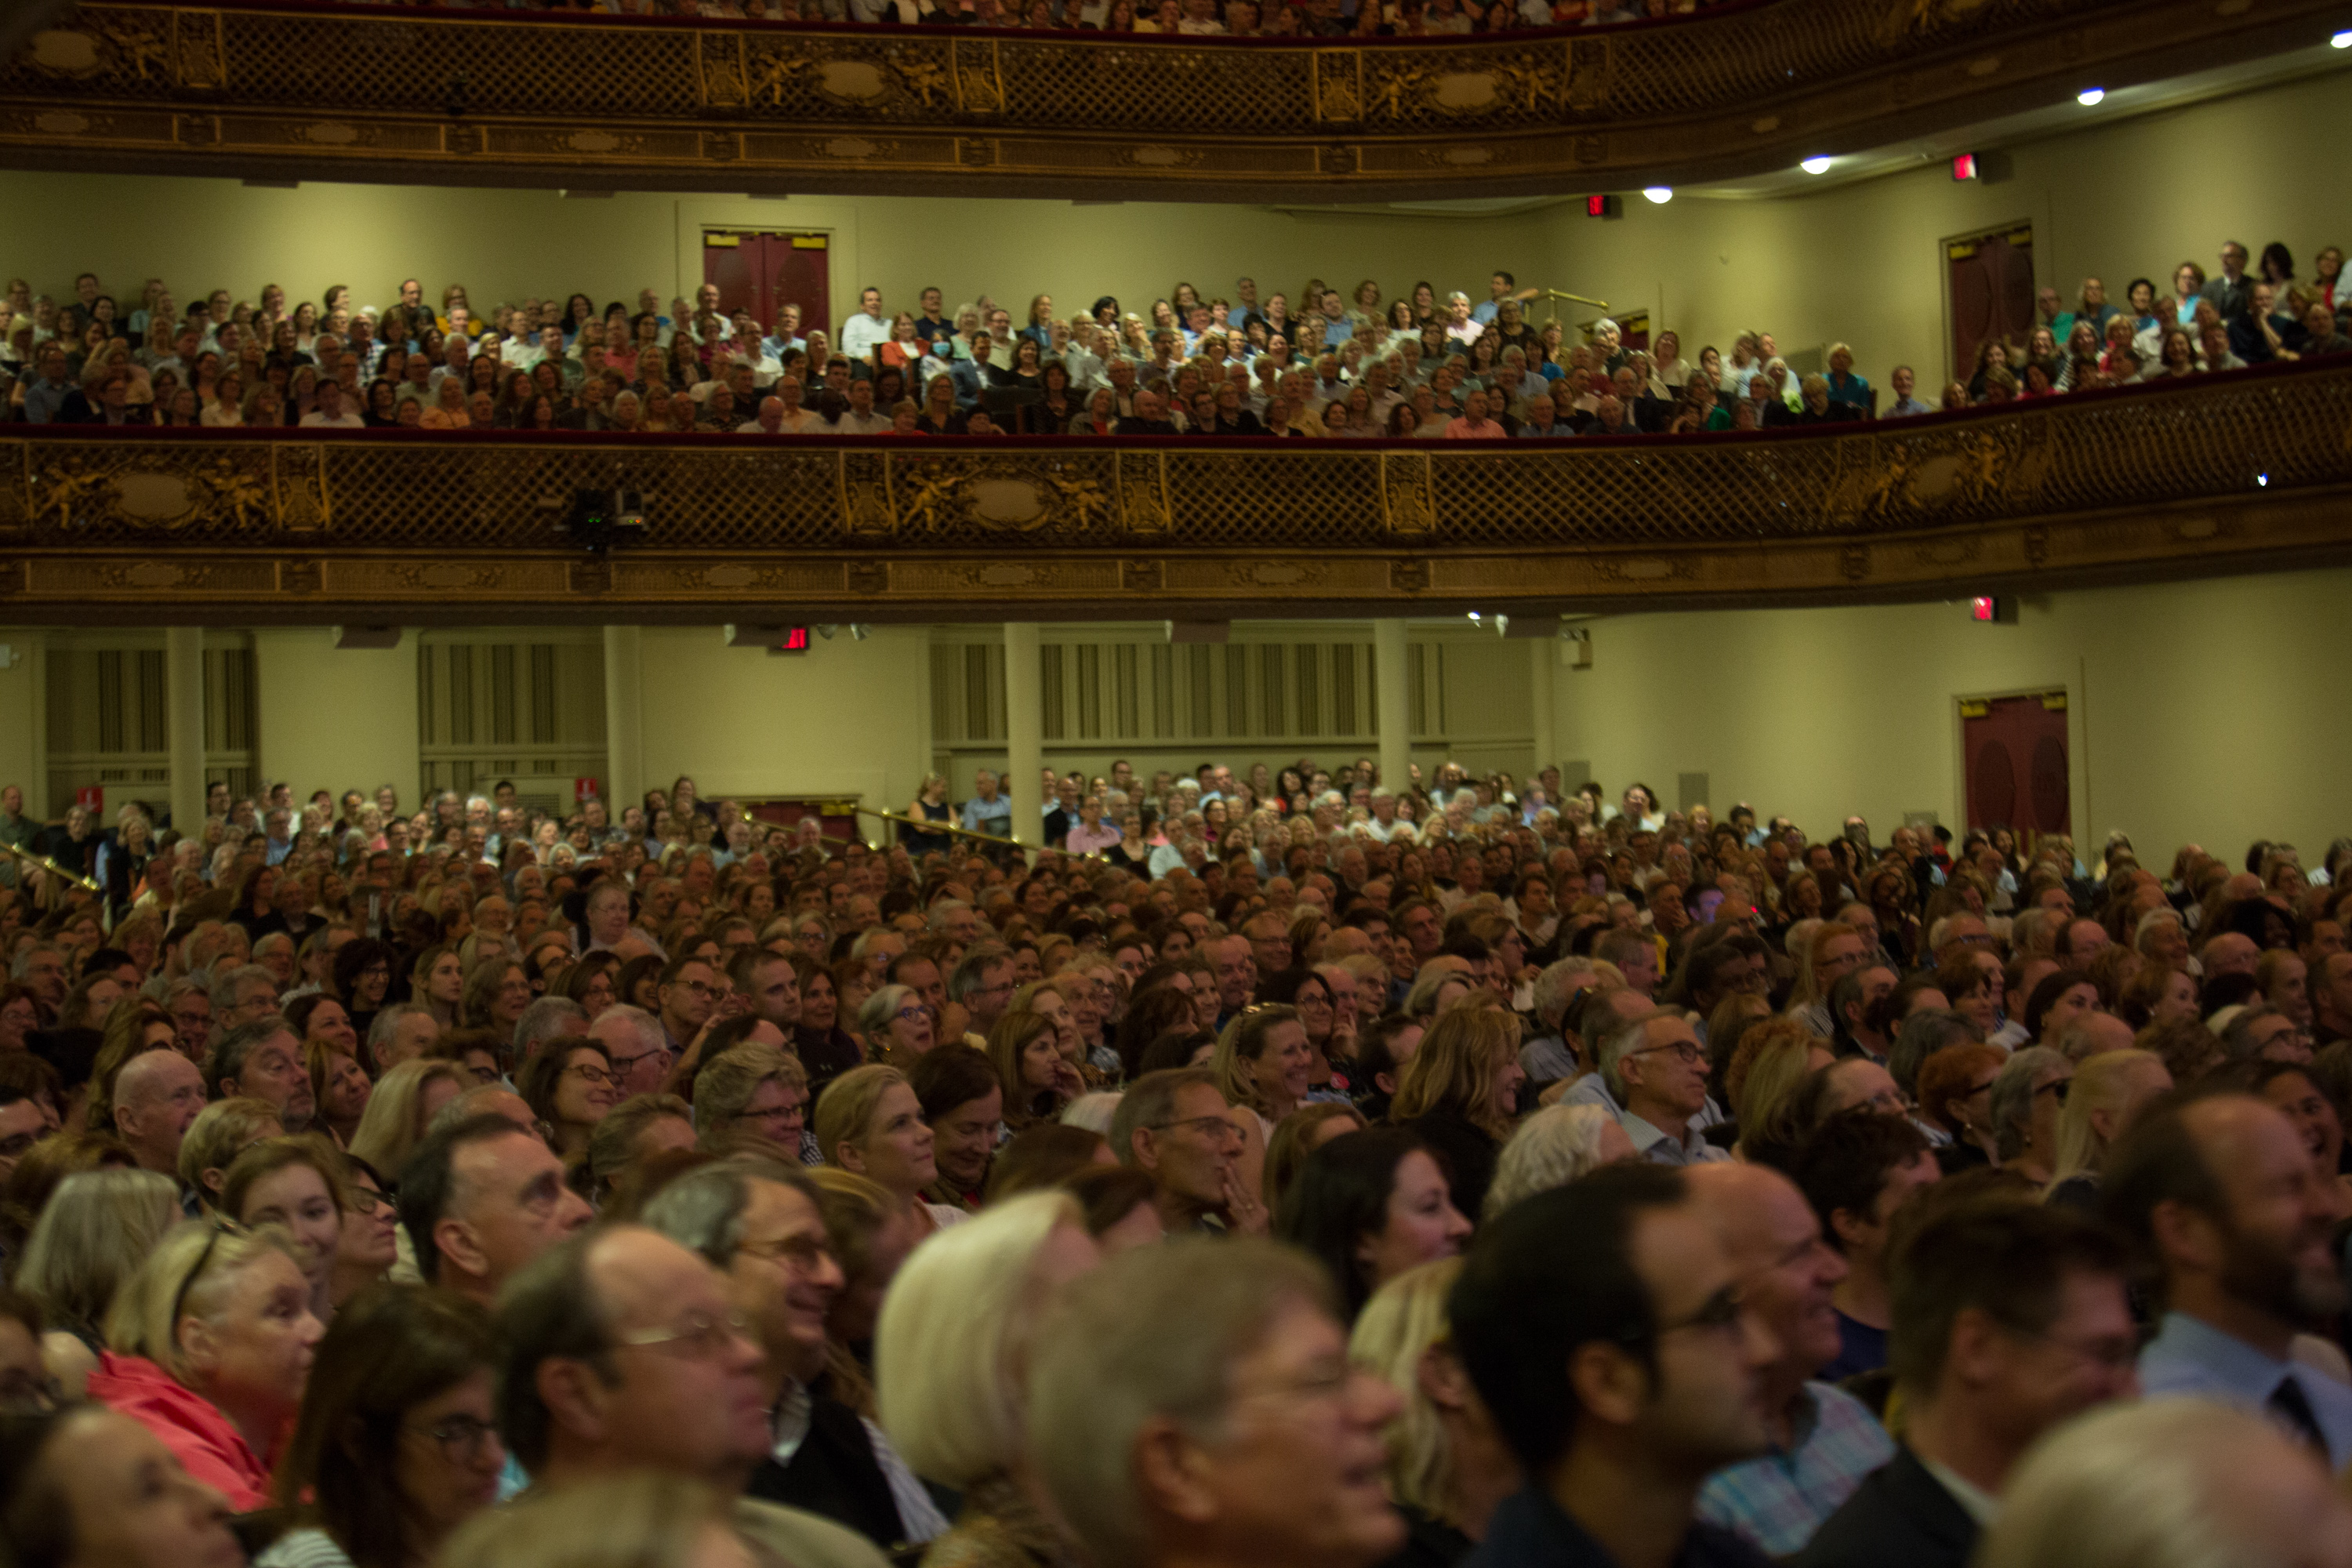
[
  {"x": 1359, "y": 365},
  {"x": 1286, "y": 1168}
]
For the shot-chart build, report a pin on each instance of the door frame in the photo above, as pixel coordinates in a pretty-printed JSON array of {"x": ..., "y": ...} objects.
[
  {"x": 835, "y": 219},
  {"x": 2078, "y": 773}
]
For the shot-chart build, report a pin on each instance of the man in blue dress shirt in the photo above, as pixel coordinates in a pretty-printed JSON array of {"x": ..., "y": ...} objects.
[{"x": 2223, "y": 1195}]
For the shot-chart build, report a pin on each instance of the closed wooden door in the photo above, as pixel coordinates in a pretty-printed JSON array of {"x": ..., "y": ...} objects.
[
  {"x": 2017, "y": 773},
  {"x": 1990, "y": 279},
  {"x": 762, "y": 270}
]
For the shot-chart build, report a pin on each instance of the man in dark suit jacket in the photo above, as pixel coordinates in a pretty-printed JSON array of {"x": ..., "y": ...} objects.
[
  {"x": 2231, "y": 289},
  {"x": 2008, "y": 1317}
]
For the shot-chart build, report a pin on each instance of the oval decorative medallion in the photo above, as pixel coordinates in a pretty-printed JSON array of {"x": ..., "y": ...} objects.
[
  {"x": 1646, "y": 568},
  {"x": 445, "y": 574},
  {"x": 1160, "y": 157},
  {"x": 1004, "y": 574},
  {"x": 1469, "y": 156},
  {"x": 728, "y": 578},
  {"x": 851, "y": 147},
  {"x": 152, "y": 574},
  {"x": 330, "y": 133},
  {"x": 61, "y": 122},
  {"x": 1463, "y": 89},
  {"x": 1279, "y": 573},
  {"x": 856, "y": 80},
  {"x": 1007, "y": 500},
  {"x": 154, "y": 498},
  {"x": 63, "y": 49},
  {"x": 592, "y": 140}
]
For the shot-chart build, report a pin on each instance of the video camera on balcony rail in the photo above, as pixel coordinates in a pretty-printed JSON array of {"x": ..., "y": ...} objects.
[{"x": 599, "y": 521}]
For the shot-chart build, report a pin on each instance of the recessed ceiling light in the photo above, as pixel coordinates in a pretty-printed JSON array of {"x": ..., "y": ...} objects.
[
  {"x": 2091, "y": 97},
  {"x": 1815, "y": 165},
  {"x": 2340, "y": 41},
  {"x": 1661, "y": 195}
]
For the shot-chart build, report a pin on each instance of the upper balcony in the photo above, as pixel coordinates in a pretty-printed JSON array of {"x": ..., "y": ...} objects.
[
  {"x": 2199, "y": 477},
  {"x": 292, "y": 91}
]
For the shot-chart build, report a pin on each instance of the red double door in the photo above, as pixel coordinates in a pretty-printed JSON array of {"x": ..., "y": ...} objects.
[
  {"x": 762, "y": 270},
  {"x": 2017, "y": 773}
]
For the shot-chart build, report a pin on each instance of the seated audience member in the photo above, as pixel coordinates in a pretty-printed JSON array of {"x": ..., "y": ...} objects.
[
  {"x": 1174, "y": 1126},
  {"x": 964, "y": 1102},
  {"x": 397, "y": 1444},
  {"x": 956, "y": 1330},
  {"x": 218, "y": 1135},
  {"x": 2010, "y": 1318},
  {"x": 870, "y": 1123},
  {"x": 295, "y": 1183},
  {"x": 263, "y": 1060},
  {"x": 1370, "y": 1206},
  {"x": 86, "y": 1484},
  {"x": 1553, "y": 1147},
  {"x": 620, "y": 1353},
  {"x": 2108, "y": 1091},
  {"x": 157, "y": 1098},
  {"x": 208, "y": 1346},
  {"x": 1193, "y": 1403},
  {"x": 637, "y": 1129},
  {"x": 1620, "y": 1371},
  {"x": 1449, "y": 1469},
  {"x": 755, "y": 1092},
  {"x": 1858, "y": 1169},
  {"x": 480, "y": 1198},
  {"x": 1820, "y": 1441},
  {"x": 1460, "y": 1094},
  {"x": 407, "y": 1100},
  {"x": 2219, "y": 1194},
  {"x": 1660, "y": 1071},
  {"x": 2167, "y": 1484},
  {"x": 94, "y": 1234},
  {"x": 569, "y": 1084}
]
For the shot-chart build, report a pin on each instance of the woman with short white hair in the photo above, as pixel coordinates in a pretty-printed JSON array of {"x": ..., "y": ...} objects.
[
  {"x": 950, "y": 1356},
  {"x": 1553, "y": 1147}
]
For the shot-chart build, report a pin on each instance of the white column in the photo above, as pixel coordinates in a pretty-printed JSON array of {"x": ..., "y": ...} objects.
[
  {"x": 1025, "y": 730},
  {"x": 625, "y": 745},
  {"x": 1395, "y": 715},
  {"x": 183, "y": 704},
  {"x": 1543, "y": 657}
]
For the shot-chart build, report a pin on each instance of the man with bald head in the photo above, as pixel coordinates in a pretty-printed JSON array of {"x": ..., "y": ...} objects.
[
  {"x": 2231, "y": 953},
  {"x": 2221, "y": 1196},
  {"x": 1825, "y": 1441},
  {"x": 158, "y": 1095}
]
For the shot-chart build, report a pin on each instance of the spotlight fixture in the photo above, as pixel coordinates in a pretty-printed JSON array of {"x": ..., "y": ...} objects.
[
  {"x": 1661, "y": 195},
  {"x": 2091, "y": 97},
  {"x": 1815, "y": 165},
  {"x": 2340, "y": 41}
]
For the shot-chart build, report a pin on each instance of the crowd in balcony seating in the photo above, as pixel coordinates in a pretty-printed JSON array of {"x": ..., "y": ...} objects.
[
  {"x": 1424, "y": 365},
  {"x": 1188, "y": 19},
  {"x": 510, "y": 1184}
]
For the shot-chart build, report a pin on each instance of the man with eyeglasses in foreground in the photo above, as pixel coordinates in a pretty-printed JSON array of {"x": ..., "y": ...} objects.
[
  {"x": 2010, "y": 1316},
  {"x": 625, "y": 1351},
  {"x": 1820, "y": 1441},
  {"x": 1657, "y": 1069},
  {"x": 1603, "y": 1325}
]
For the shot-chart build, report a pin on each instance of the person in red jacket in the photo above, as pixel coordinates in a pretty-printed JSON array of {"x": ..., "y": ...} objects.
[{"x": 209, "y": 1346}]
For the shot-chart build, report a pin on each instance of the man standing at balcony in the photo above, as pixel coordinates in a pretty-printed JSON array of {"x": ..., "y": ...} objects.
[
  {"x": 867, "y": 331},
  {"x": 2228, "y": 290},
  {"x": 987, "y": 810}
]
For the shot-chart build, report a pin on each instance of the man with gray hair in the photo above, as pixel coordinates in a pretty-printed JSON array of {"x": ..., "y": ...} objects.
[
  {"x": 263, "y": 1060},
  {"x": 44, "y": 970},
  {"x": 400, "y": 1032},
  {"x": 242, "y": 996},
  {"x": 637, "y": 1044},
  {"x": 958, "y": 922},
  {"x": 1657, "y": 1069},
  {"x": 1548, "y": 1058},
  {"x": 541, "y": 1021},
  {"x": 1193, "y": 1403},
  {"x": 982, "y": 985}
]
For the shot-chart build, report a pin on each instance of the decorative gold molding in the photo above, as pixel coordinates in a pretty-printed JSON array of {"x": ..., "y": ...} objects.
[
  {"x": 473, "y": 96},
  {"x": 2232, "y": 474}
]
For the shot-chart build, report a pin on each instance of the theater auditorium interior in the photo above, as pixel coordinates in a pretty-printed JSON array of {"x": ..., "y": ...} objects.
[{"x": 668, "y": 706}]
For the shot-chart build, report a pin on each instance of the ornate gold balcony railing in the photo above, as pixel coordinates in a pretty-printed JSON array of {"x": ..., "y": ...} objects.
[
  {"x": 2235, "y": 473},
  {"x": 471, "y": 97}
]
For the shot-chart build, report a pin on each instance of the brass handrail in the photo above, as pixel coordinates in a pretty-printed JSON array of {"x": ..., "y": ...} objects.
[
  {"x": 87, "y": 884},
  {"x": 929, "y": 826}
]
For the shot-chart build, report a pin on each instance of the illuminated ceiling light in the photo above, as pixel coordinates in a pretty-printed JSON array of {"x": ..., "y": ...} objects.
[
  {"x": 1661, "y": 195},
  {"x": 1815, "y": 165},
  {"x": 2091, "y": 97},
  {"x": 2340, "y": 41}
]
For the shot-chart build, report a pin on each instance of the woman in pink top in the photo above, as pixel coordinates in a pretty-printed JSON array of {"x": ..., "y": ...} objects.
[{"x": 208, "y": 1347}]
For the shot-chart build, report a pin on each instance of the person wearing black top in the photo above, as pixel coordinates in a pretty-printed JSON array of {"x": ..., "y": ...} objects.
[
  {"x": 1149, "y": 419},
  {"x": 1051, "y": 415}
]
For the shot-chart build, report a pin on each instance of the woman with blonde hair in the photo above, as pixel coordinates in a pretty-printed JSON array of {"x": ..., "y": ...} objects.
[
  {"x": 644, "y": 1518},
  {"x": 1263, "y": 1062},
  {"x": 296, "y": 1186},
  {"x": 1448, "y": 1469},
  {"x": 94, "y": 1233},
  {"x": 405, "y": 1103},
  {"x": 1553, "y": 1147},
  {"x": 1770, "y": 1060},
  {"x": 2109, "y": 1089},
  {"x": 222, "y": 1132},
  {"x": 208, "y": 1347},
  {"x": 1460, "y": 1093},
  {"x": 950, "y": 1354},
  {"x": 869, "y": 1123}
]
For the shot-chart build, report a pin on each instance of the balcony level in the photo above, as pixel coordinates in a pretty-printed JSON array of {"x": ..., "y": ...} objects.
[
  {"x": 301, "y": 90},
  {"x": 2199, "y": 478}
]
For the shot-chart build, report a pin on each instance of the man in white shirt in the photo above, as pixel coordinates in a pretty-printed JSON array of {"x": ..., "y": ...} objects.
[
  {"x": 867, "y": 331},
  {"x": 331, "y": 412},
  {"x": 771, "y": 421},
  {"x": 1905, "y": 404},
  {"x": 795, "y": 420}
]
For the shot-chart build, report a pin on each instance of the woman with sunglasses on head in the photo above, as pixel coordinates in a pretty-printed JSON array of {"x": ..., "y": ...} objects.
[{"x": 397, "y": 1444}]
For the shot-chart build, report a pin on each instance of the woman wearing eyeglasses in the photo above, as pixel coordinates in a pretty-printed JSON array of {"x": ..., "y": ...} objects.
[
  {"x": 208, "y": 1347},
  {"x": 397, "y": 1444},
  {"x": 570, "y": 1086},
  {"x": 896, "y": 1026}
]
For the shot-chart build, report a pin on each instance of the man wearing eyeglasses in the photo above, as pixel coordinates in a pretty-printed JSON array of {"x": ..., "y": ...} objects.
[
  {"x": 1657, "y": 1070},
  {"x": 1175, "y": 1127},
  {"x": 688, "y": 989},
  {"x": 2010, "y": 1316},
  {"x": 1620, "y": 1371},
  {"x": 1823, "y": 1440},
  {"x": 625, "y": 1351}
]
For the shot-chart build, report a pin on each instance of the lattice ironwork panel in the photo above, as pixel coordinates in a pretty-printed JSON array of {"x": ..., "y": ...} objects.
[
  {"x": 438, "y": 67},
  {"x": 1217, "y": 498},
  {"x": 1176, "y": 89}
]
